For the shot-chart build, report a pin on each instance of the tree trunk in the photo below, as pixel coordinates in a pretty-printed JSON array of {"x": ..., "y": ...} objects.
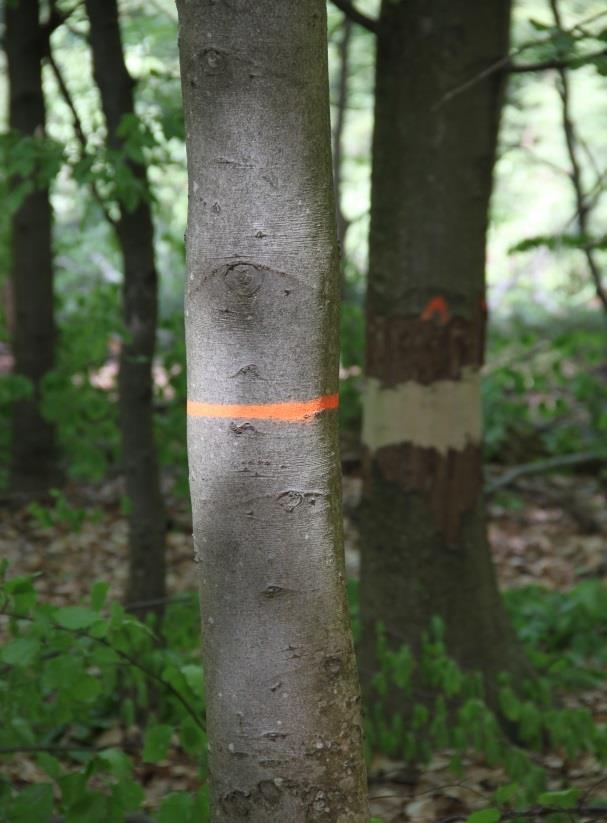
[
  {"x": 341, "y": 105},
  {"x": 146, "y": 580},
  {"x": 262, "y": 339},
  {"x": 33, "y": 457},
  {"x": 425, "y": 549}
]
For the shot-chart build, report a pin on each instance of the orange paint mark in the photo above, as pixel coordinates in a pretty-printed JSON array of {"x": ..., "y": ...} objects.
[
  {"x": 294, "y": 412},
  {"x": 484, "y": 307},
  {"x": 438, "y": 306}
]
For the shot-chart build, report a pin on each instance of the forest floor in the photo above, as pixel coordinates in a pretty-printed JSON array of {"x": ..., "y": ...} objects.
[{"x": 552, "y": 532}]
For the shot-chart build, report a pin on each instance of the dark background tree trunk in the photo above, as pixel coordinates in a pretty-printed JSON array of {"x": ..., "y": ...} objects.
[
  {"x": 424, "y": 549},
  {"x": 33, "y": 456},
  {"x": 146, "y": 580},
  {"x": 341, "y": 107},
  {"x": 262, "y": 334}
]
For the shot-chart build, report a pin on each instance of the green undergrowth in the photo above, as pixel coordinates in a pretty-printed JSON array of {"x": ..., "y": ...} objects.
[{"x": 91, "y": 695}]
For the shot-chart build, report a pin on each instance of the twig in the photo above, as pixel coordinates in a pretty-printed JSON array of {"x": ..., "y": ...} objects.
[
  {"x": 538, "y": 811},
  {"x": 125, "y": 656},
  {"x": 356, "y": 16},
  {"x": 65, "y": 748},
  {"x": 543, "y": 467},
  {"x": 576, "y": 172},
  {"x": 505, "y": 64},
  {"x": 143, "y": 605},
  {"x": 555, "y": 63},
  {"x": 79, "y": 130},
  {"x": 57, "y": 18}
]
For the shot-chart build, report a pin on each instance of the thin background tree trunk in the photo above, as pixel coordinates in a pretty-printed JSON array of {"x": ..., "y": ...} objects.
[
  {"x": 33, "y": 456},
  {"x": 146, "y": 579},
  {"x": 424, "y": 549},
  {"x": 283, "y": 713},
  {"x": 341, "y": 106}
]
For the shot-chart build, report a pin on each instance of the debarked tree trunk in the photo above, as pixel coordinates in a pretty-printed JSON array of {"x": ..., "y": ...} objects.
[{"x": 425, "y": 550}]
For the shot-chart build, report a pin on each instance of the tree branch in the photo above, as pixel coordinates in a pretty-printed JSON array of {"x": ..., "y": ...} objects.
[
  {"x": 554, "y": 63},
  {"x": 65, "y": 748},
  {"x": 572, "y": 142},
  {"x": 543, "y": 467},
  {"x": 57, "y": 18},
  {"x": 356, "y": 16},
  {"x": 128, "y": 658},
  {"x": 506, "y": 64},
  {"x": 538, "y": 811},
  {"x": 79, "y": 130}
]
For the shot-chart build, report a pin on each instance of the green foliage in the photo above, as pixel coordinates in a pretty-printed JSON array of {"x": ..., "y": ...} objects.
[
  {"x": 61, "y": 514},
  {"x": 484, "y": 816},
  {"x": 545, "y": 395},
  {"x": 76, "y": 398},
  {"x": 69, "y": 673},
  {"x": 566, "y": 799},
  {"x": 27, "y": 163},
  {"x": 446, "y": 708},
  {"x": 565, "y": 636}
]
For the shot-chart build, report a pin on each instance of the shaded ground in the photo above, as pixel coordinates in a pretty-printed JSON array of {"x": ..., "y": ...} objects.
[{"x": 553, "y": 532}]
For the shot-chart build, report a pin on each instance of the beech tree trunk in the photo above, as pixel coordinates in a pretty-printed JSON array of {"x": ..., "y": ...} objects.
[
  {"x": 262, "y": 304},
  {"x": 425, "y": 548},
  {"x": 33, "y": 456},
  {"x": 135, "y": 231}
]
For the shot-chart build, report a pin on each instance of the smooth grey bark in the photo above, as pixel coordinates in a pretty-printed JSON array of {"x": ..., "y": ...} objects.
[
  {"x": 135, "y": 233},
  {"x": 33, "y": 455},
  {"x": 262, "y": 304},
  {"x": 424, "y": 548}
]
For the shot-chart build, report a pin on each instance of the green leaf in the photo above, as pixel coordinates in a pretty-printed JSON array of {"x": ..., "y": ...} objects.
[
  {"x": 86, "y": 689},
  {"x": 73, "y": 788},
  {"x": 484, "y": 816},
  {"x": 116, "y": 762},
  {"x": 62, "y": 671},
  {"x": 194, "y": 678},
  {"x": 565, "y": 799},
  {"x": 509, "y": 703},
  {"x": 99, "y": 594},
  {"x": 191, "y": 736},
  {"x": 76, "y": 617},
  {"x": 176, "y": 806},
  {"x": 539, "y": 26},
  {"x": 156, "y": 742},
  {"x": 20, "y": 652},
  {"x": 129, "y": 794},
  {"x": 49, "y": 764},
  {"x": 200, "y": 812},
  {"x": 22, "y": 591},
  {"x": 33, "y": 805},
  {"x": 505, "y": 793}
]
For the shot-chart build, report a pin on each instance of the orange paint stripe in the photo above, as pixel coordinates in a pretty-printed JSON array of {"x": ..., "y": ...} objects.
[
  {"x": 289, "y": 412},
  {"x": 438, "y": 305}
]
